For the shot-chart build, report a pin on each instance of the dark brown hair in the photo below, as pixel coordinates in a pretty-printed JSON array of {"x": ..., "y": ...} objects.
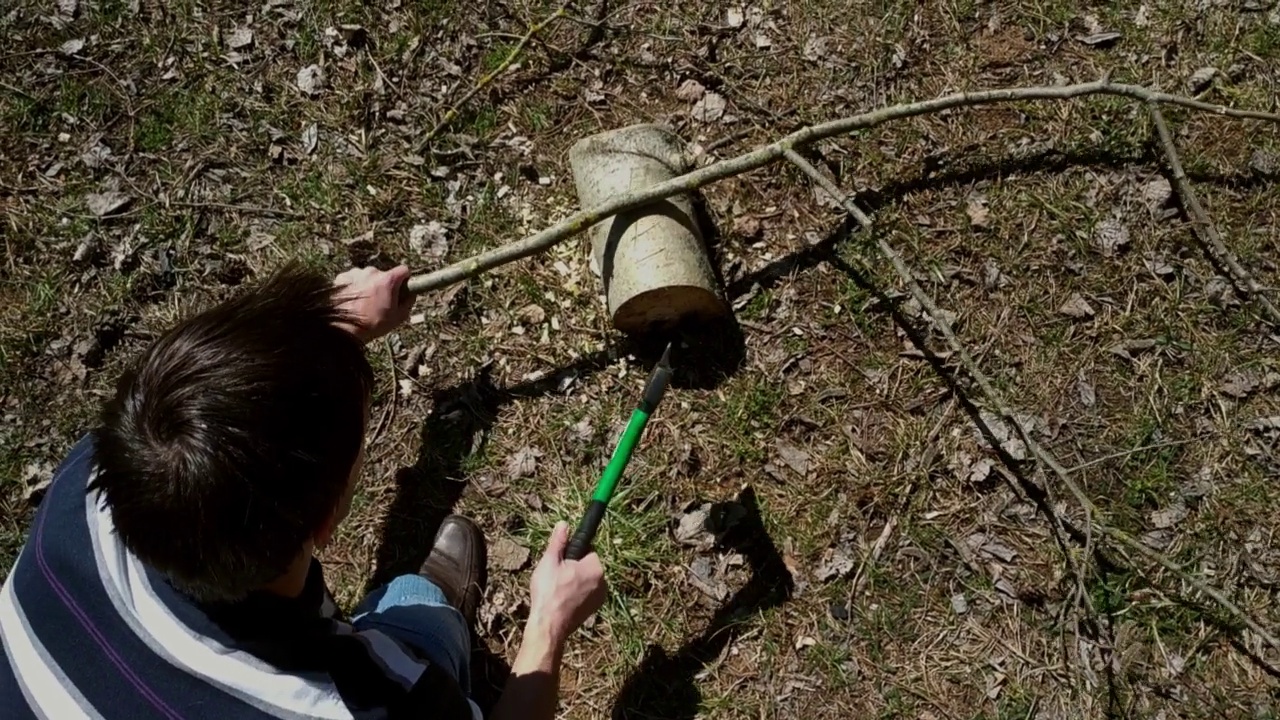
[{"x": 231, "y": 441}]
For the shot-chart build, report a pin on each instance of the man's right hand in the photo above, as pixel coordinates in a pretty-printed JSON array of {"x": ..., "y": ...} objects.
[{"x": 564, "y": 593}]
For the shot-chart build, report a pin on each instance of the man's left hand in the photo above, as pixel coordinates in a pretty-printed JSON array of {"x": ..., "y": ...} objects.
[{"x": 374, "y": 300}]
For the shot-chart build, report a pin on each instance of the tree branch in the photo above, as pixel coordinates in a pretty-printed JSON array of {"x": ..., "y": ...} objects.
[
  {"x": 584, "y": 219},
  {"x": 488, "y": 78},
  {"x": 1203, "y": 225},
  {"x": 1093, "y": 517}
]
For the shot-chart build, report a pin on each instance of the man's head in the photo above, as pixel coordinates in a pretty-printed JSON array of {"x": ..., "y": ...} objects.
[{"x": 233, "y": 443}]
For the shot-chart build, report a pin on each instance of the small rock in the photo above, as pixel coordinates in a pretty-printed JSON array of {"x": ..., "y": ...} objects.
[
  {"x": 1076, "y": 307},
  {"x": 1201, "y": 79},
  {"x": 734, "y": 17},
  {"x": 959, "y": 605},
  {"x": 311, "y": 80},
  {"x": 839, "y": 611},
  {"x": 506, "y": 554},
  {"x": 1265, "y": 164}
]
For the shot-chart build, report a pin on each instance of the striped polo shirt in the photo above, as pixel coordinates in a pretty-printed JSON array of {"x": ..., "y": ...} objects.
[{"x": 90, "y": 632}]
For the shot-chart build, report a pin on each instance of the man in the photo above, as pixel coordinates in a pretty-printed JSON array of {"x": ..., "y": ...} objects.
[{"x": 169, "y": 572}]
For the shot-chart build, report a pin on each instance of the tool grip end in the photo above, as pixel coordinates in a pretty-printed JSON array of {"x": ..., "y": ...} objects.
[{"x": 585, "y": 534}]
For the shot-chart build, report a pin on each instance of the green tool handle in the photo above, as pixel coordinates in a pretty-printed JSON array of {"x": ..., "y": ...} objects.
[{"x": 580, "y": 543}]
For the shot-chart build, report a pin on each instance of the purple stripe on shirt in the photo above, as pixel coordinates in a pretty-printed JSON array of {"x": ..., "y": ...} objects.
[{"x": 156, "y": 701}]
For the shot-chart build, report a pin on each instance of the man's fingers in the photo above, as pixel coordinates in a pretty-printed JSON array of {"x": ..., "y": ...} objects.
[{"x": 559, "y": 539}]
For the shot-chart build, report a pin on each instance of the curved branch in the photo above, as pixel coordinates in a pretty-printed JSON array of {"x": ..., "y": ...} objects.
[{"x": 584, "y": 219}]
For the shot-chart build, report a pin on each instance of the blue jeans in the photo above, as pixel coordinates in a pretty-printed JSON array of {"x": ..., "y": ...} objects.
[{"x": 413, "y": 610}]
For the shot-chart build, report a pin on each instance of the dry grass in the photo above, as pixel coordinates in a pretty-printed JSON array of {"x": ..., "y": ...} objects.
[{"x": 211, "y": 150}]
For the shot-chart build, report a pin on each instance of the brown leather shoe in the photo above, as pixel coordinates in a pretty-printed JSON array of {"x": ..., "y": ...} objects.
[{"x": 457, "y": 564}]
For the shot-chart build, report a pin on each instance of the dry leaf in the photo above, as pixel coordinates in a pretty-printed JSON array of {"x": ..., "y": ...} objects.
[
  {"x": 1238, "y": 384},
  {"x": 1130, "y": 349},
  {"x": 1168, "y": 517},
  {"x": 532, "y": 314},
  {"x": 815, "y": 49},
  {"x": 1157, "y": 193},
  {"x": 1143, "y": 17},
  {"x": 793, "y": 457},
  {"x": 703, "y": 576},
  {"x": 1101, "y": 39},
  {"x": 429, "y": 240},
  {"x": 1201, "y": 79},
  {"x": 71, "y": 47},
  {"x": 105, "y": 203},
  {"x": 710, "y": 108},
  {"x": 959, "y": 605},
  {"x": 734, "y": 17},
  {"x": 692, "y": 528},
  {"x": 524, "y": 463},
  {"x": 836, "y": 563},
  {"x": 67, "y": 8},
  {"x": 804, "y": 641},
  {"x": 1157, "y": 265},
  {"x": 992, "y": 278},
  {"x": 506, "y": 554},
  {"x": 310, "y": 138},
  {"x": 311, "y": 79},
  {"x": 240, "y": 38},
  {"x": 763, "y": 41},
  {"x": 1087, "y": 394},
  {"x": 1110, "y": 236},
  {"x": 691, "y": 91},
  {"x": 1076, "y": 307},
  {"x": 979, "y": 215}
]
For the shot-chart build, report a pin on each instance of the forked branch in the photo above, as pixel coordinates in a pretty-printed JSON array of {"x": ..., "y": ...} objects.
[{"x": 584, "y": 219}]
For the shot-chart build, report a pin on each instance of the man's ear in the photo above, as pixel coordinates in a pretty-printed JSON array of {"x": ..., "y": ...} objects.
[{"x": 326, "y": 531}]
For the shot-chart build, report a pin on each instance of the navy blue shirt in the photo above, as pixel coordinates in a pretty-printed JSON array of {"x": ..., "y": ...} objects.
[{"x": 88, "y": 631}]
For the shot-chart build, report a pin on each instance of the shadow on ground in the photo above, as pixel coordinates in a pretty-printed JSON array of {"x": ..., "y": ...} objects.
[{"x": 665, "y": 686}]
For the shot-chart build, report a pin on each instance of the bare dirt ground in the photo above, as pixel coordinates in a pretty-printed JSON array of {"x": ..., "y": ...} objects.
[{"x": 876, "y": 558}]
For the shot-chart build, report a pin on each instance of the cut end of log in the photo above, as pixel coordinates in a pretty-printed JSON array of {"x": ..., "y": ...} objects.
[{"x": 664, "y": 308}]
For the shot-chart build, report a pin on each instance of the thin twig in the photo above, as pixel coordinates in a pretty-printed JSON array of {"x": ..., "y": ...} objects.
[
  {"x": 241, "y": 208},
  {"x": 1093, "y": 517},
  {"x": 1126, "y": 453},
  {"x": 489, "y": 77},
  {"x": 1204, "y": 227},
  {"x": 16, "y": 90},
  {"x": 1060, "y": 530},
  {"x": 583, "y": 219}
]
